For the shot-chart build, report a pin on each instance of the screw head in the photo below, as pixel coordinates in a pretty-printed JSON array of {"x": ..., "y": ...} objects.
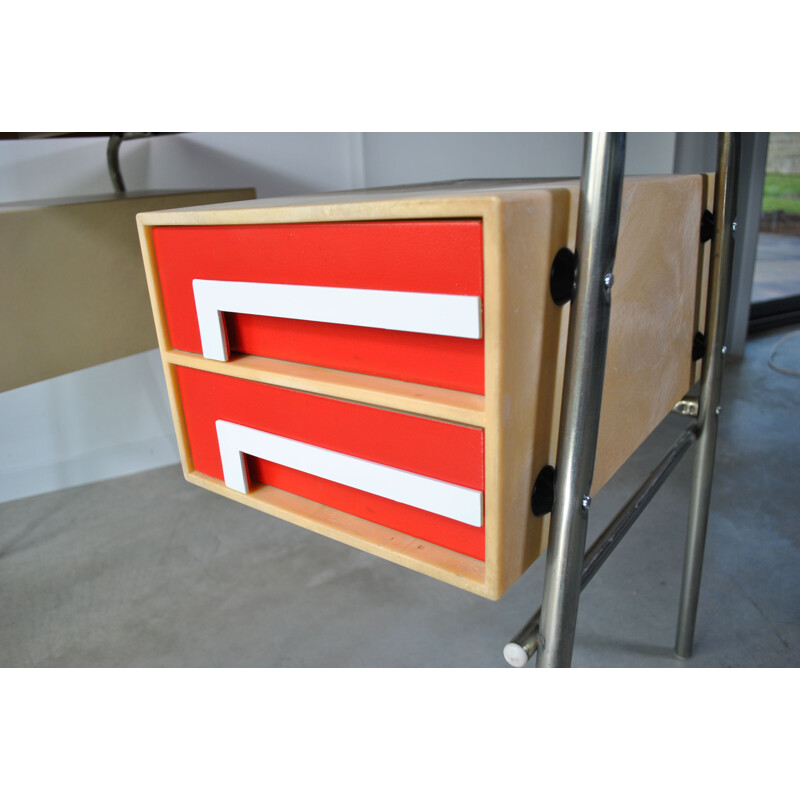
[
  {"x": 608, "y": 280},
  {"x": 733, "y": 226},
  {"x": 724, "y": 349},
  {"x": 586, "y": 502},
  {"x": 718, "y": 410}
]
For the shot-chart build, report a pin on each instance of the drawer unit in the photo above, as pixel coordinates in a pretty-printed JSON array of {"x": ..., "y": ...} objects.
[{"x": 385, "y": 367}]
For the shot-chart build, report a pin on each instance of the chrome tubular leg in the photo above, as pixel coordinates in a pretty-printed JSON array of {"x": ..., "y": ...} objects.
[
  {"x": 526, "y": 642},
  {"x": 598, "y": 225},
  {"x": 728, "y": 148},
  {"x": 112, "y": 157}
]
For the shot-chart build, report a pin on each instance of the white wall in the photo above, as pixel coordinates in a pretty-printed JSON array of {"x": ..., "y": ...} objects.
[
  {"x": 37, "y": 168},
  {"x": 275, "y": 164},
  {"x": 114, "y": 419},
  {"x": 397, "y": 158},
  {"x": 695, "y": 152},
  {"x": 96, "y": 423},
  {"x": 272, "y": 163}
]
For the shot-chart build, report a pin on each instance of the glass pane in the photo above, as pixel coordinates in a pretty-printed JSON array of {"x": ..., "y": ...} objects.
[{"x": 777, "y": 270}]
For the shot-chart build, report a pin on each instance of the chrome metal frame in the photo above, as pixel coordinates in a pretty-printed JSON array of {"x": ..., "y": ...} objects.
[
  {"x": 115, "y": 141},
  {"x": 719, "y": 291},
  {"x": 550, "y": 632}
]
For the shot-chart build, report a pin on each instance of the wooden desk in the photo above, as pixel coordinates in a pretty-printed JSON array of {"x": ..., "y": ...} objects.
[{"x": 72, "y": 290}]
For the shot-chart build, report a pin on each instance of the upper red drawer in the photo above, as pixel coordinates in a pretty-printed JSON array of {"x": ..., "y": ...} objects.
[{"x": 422, "y": 276}]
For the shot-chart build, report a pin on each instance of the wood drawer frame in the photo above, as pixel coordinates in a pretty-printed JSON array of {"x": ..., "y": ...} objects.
[{"x": 649, "y": 366}]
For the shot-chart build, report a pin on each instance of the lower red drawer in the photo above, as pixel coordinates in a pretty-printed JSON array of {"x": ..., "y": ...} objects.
[{"x": 385, "y": 466}]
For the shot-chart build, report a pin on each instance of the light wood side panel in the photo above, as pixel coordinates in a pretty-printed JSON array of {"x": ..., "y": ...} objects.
[
  {"x": 430, "y": 401},
  {"x": 524, "y": 371},
  {"x": 428, "y": 559},
  {"x": 648, "y": 365},
  {"x": 333, "y": 208},
  {"x": 653, "y": 314}
]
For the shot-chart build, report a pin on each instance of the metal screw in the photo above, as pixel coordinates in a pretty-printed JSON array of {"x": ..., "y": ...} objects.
[
  {"x": 608, "y": 280},
  {"x": 587, "y": 501},
  {"x": 718, "y": 410},
  {"x": 733, "y": 226},
  {"x": 724, "y": 350}
]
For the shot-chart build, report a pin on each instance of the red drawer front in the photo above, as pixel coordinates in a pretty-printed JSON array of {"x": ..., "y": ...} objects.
[
  {"x": 432, "y": 257},
  {"x": 441, "y": 450}
]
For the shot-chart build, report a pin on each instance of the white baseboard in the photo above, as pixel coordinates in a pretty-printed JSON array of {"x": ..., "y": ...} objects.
[
  {"x": 112, "y": 462},
  {"x": 98, "y": 423}
]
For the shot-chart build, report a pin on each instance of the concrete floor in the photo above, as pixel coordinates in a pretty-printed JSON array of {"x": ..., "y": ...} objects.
[
  {"x": 148, "y": 570},
  {"x": 777, "y": 270}
]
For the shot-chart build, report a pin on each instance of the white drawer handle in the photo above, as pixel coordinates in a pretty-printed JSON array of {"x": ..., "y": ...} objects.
[
  {"x": 448, "y": 499},
  {"x": 437, "y": 314}
]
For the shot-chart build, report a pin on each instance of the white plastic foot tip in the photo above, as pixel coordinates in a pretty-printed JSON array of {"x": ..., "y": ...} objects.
[{"x": 515, "y": 655}]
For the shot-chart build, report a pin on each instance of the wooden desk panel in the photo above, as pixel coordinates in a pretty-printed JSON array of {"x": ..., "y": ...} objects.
[{"x": 72, "y": 293}]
